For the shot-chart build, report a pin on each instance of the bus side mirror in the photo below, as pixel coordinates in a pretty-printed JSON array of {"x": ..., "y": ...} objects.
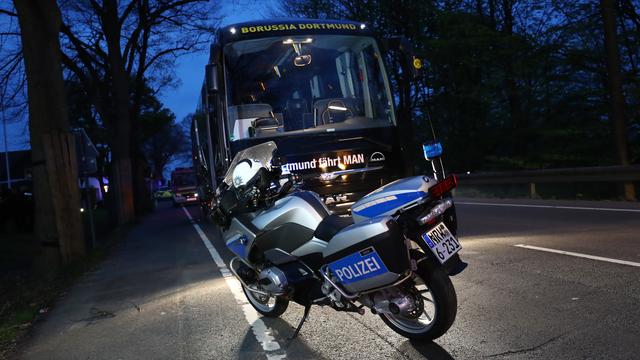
[
  {"x": 411, "y": 65},
  {"x": 211, "y": 78}
]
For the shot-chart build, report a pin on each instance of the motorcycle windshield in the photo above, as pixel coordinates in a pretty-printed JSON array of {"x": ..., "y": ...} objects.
[{"x": 260, "y": 155}]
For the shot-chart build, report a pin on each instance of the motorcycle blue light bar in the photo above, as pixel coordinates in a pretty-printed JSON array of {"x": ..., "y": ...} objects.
[{"x": 432, "y": 150}]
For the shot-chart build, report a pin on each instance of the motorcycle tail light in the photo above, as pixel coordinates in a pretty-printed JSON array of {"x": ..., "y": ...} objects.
[{"x": 444, "y": 186}]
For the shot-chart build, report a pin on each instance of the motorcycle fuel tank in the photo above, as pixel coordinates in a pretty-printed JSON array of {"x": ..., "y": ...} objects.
[
  {"x": 303, "y": 208},
  {"x": 287, "y": 225},
  {"x": 388, "y": 199}
]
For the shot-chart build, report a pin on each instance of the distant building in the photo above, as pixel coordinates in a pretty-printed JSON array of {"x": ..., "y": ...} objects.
[{"x": 19, "y": 167}]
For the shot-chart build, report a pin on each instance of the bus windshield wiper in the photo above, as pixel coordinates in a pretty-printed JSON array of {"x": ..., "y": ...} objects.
[{"x": 370, "y": 140}]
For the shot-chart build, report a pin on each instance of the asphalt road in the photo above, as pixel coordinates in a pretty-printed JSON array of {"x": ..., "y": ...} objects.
[{"x": 161, "y": 295}]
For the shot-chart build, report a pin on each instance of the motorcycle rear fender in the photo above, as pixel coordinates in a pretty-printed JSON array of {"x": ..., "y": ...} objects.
[{"x": 452, "y": 267}]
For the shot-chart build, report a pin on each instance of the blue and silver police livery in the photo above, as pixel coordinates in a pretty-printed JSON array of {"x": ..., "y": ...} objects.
[{"x": 387, "y": 200}]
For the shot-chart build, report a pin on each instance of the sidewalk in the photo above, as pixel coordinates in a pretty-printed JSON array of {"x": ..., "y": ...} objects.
[{"x": 138, "y": 303}]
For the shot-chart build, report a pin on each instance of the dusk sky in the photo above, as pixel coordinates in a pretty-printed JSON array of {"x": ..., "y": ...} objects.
[{"x": 189, "y": 69}]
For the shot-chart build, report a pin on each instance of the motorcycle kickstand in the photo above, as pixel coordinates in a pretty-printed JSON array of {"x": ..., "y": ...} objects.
[{"x": 307, "y": 308}]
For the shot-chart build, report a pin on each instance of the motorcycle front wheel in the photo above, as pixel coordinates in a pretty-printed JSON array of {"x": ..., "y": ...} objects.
[
  {"x": 268, "y": 306},
  {"x": 439, "y": 302}
]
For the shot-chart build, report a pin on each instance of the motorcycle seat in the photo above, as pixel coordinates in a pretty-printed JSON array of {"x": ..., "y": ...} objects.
[{"x": 331, "y": 225}]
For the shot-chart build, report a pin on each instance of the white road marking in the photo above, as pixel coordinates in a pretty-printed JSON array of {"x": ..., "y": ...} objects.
[
  {"x": 592, "y": 257},
  {"x": 549, "y": 206},
  {"x": 260, "y": 330}
]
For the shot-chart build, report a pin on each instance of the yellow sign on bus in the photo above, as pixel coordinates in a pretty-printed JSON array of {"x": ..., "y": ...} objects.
[{"x": 284, "y": 27}]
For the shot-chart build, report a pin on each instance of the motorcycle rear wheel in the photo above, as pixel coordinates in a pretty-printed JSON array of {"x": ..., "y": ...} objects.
[
  {"x": 268, "y": 306},
  {"x": 438, "y": 294}
]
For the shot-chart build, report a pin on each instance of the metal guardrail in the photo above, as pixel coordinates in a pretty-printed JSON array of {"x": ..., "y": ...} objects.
[
  {"x": 3, "y": 182},
  {"x": 618, "y": 174}
]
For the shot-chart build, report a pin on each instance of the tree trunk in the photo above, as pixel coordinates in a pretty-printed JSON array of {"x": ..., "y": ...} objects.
[
  {"x": 518, "y": 121},
  {"x": 58, "y": 222},
  {"x": 122, "y": 174},
  {"x": 616, "y": 95},
  {"x": 479, "y": 10},
  {"x": 492, "y": 13},
  {"x": 141, "y": 197}
]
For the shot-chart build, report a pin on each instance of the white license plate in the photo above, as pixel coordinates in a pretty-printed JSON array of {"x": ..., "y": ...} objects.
[{"x": 441, "y": 242}]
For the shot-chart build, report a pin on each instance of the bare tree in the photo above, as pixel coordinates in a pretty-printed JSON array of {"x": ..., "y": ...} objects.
[
  {"x": 169, "y": 144},
  {"x": 12, "y": 76},
  {"x": 117, "y": 49},
  {"x": 57, "y": 215}
]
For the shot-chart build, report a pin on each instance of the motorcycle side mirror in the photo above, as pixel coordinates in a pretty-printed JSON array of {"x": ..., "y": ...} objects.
[
  {"x": 278, "y": 161},
  {"x": 242, "y": 173},
  {"x": 432, "y": 150}
]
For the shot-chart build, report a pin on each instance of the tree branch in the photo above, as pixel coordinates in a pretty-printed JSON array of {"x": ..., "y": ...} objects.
[
  {"x": 127, "y": 11},
  {"x": 97, "y": 7},
  {"x": 165, "y": 52},
  {"x": 8, "y": 12},
  {"x": 83, "y": 54},
  {"x": 152, "y": 17},
  {"x": 11, "y": 65}
]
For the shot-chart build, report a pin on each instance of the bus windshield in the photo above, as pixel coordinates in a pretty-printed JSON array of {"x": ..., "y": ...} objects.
[{"x": 317, "y": 83}]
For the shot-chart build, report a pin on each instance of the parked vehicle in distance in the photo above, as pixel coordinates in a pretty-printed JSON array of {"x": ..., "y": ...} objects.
[
  {"x": 163, "y": 193},
  {"x": 184, "y": 186}
]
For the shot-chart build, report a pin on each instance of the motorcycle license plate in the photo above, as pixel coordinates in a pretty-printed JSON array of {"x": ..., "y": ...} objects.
[{"x": 441, "y": 242}]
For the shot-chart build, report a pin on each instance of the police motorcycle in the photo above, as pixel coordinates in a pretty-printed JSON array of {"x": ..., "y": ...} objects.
[{"x": 394, "y": 255}]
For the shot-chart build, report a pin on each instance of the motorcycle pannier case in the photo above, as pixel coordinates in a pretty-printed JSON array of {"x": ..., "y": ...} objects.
[{"x": 367, "y": 255}]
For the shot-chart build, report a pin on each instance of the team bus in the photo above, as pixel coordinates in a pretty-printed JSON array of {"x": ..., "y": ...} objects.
[{"x": 318, "y": 88}]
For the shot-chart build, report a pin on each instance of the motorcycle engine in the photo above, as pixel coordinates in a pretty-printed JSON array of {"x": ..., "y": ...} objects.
[{"x": 273, "y": 280}]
